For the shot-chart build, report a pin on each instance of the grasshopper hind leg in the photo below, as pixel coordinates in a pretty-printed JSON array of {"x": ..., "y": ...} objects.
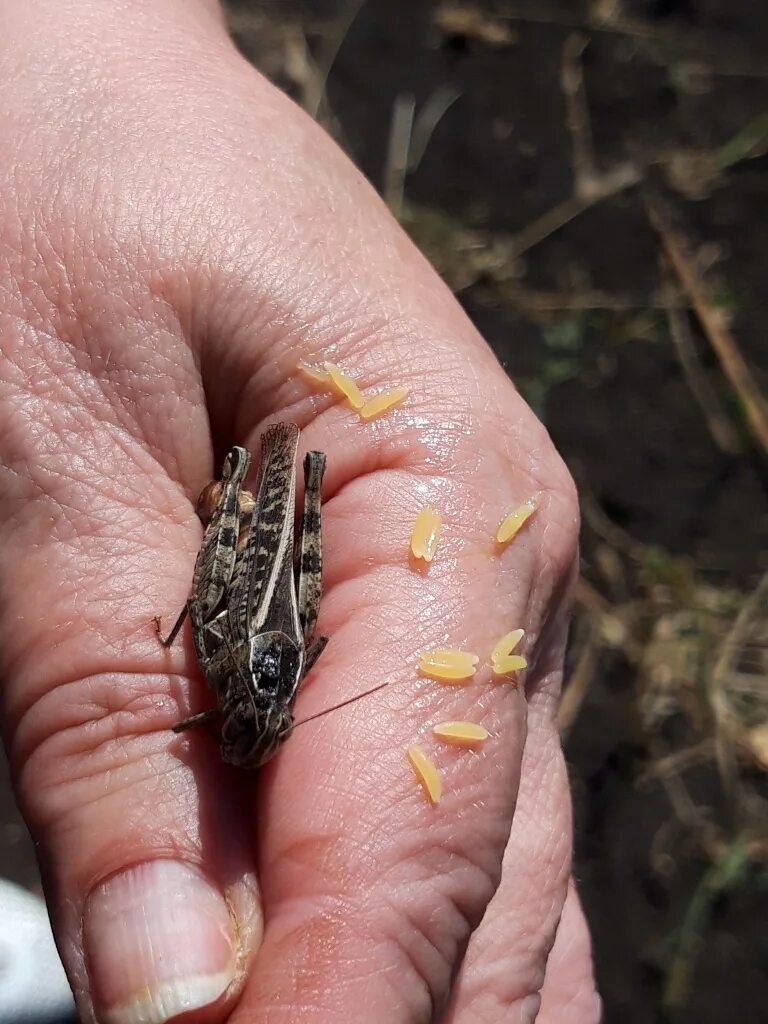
[
  {"x": 309, "y": 583},
  {"x": 314, "y": 651}
]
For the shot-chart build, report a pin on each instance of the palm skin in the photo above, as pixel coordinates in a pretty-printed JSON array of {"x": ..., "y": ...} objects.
[{"x": 176, "y": 237}]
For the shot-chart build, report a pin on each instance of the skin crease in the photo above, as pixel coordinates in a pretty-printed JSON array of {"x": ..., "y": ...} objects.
[{"x": 175, "y": 237}]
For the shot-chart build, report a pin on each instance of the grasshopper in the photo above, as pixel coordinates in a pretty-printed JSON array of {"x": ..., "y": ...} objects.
[{"x": 253, "y": 612}]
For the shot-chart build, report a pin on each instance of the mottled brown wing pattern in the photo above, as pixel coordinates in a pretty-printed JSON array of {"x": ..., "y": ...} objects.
[{"x": 259, "y": 597}]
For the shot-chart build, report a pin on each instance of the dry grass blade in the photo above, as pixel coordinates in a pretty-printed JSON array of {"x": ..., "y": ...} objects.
[
  {"x": 727, "y": 872},
  {"x": 580, "y": 681},
  {"x": 590, "y": 599},
  {"x": 750, "y": 142},
  {"x": 607, "y": 620},
  {"x": 590, "y": 187},
  {"x": 712, "y": 323},
  {"x": 398, "y": 152},
  {"x": 314, "y": 93},
  {"x": 722, "y": 430},
  {"x": 428, "y": 118},
  {"x": 726, "y": 725},
  {"x": 723, "y": 51}
]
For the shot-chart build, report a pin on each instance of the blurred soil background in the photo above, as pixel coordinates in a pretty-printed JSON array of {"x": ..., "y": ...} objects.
[{"x": 591, "y": 179}]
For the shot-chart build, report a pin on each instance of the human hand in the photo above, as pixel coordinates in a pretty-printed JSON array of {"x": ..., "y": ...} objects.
[{"x": 176, "y": 237}]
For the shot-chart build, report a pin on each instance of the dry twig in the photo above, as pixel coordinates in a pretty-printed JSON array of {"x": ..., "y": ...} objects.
[
  {"x": 577, "y": 115},
  {"x": 724, "y": 55},
  {"x": 609, "y": 184},
  {"x": 712, "y": 323},
  {"x": 590, "y": 187},
  {"x": 470, "y": 22},
  {"x": 722, "y": 430}
]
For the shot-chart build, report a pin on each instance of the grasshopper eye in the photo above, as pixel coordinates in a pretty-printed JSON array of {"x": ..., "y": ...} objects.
[{"x": 270, "y": 664}]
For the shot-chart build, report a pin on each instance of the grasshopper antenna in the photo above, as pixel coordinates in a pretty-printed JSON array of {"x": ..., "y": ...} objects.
[{"x": 335, "y": 707}]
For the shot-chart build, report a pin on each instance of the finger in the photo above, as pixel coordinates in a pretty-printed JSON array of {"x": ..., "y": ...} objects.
[
  {"x": 568, "y": 994},
  {"x": 370, "y": 893},
  {"x": 145, "y": 856},
  {"x": 505, "y": 963},
  {"x": 504, "y": 968}
]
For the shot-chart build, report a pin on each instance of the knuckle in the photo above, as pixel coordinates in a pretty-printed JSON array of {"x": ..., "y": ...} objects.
[
  {"x": 428, "y": 937},
  {"x": 86, "y": 730}
]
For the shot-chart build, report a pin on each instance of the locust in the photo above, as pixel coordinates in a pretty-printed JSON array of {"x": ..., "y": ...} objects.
[{"x": 255, "y": 596}]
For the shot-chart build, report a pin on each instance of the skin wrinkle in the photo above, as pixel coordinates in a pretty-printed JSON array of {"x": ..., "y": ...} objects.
[
  {"x": 110, "y": 787},
  {"x": 398, "y": 930},
  {"x": 446, "y": 844},
  {"x": 433, "y": 978},
  {"x": 454, "y": 496},
  {"x": 310, "y": 925},
  {"x": 532, "y": 938},
  {"x": 411, "y": 799},
  {"x": 67, "y": 518},
  {"x": 322, "y": 305},
  {"x": 427, "y": 947},
  {"x": 485, "y": 862},
  {"x": 117, "y": 411},
  {"x": 390, "y": 952},
  {"x": 117, "y": 432},
  {"x": 567, "y": 982},
  {"x": 60, "y": 808},
  {"x": 17, "y": 707},
  {"x": 328, "y": 857},
  {"x": 77, "y": 318},
  {"x": 43, "y": 721},
  {"x": 409, "y": 683},
  {"x": 436, "y": 427}
]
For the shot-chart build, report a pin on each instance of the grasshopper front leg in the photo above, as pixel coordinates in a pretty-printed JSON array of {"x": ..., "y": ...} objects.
[
  {"x": 309, "y": 584},
  {"x": 168, "y": 640},
  {"x": 203, "y": 718}
]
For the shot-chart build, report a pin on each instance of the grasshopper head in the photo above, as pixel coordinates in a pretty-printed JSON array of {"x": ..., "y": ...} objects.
[{"x": 258, "y": 711}]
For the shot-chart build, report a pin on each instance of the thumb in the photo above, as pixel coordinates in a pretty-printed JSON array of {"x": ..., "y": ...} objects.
[{"x": 146, "y": 863}]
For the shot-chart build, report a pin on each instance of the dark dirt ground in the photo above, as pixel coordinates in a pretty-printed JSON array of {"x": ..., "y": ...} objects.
[{"x": 668, "y": 658}]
